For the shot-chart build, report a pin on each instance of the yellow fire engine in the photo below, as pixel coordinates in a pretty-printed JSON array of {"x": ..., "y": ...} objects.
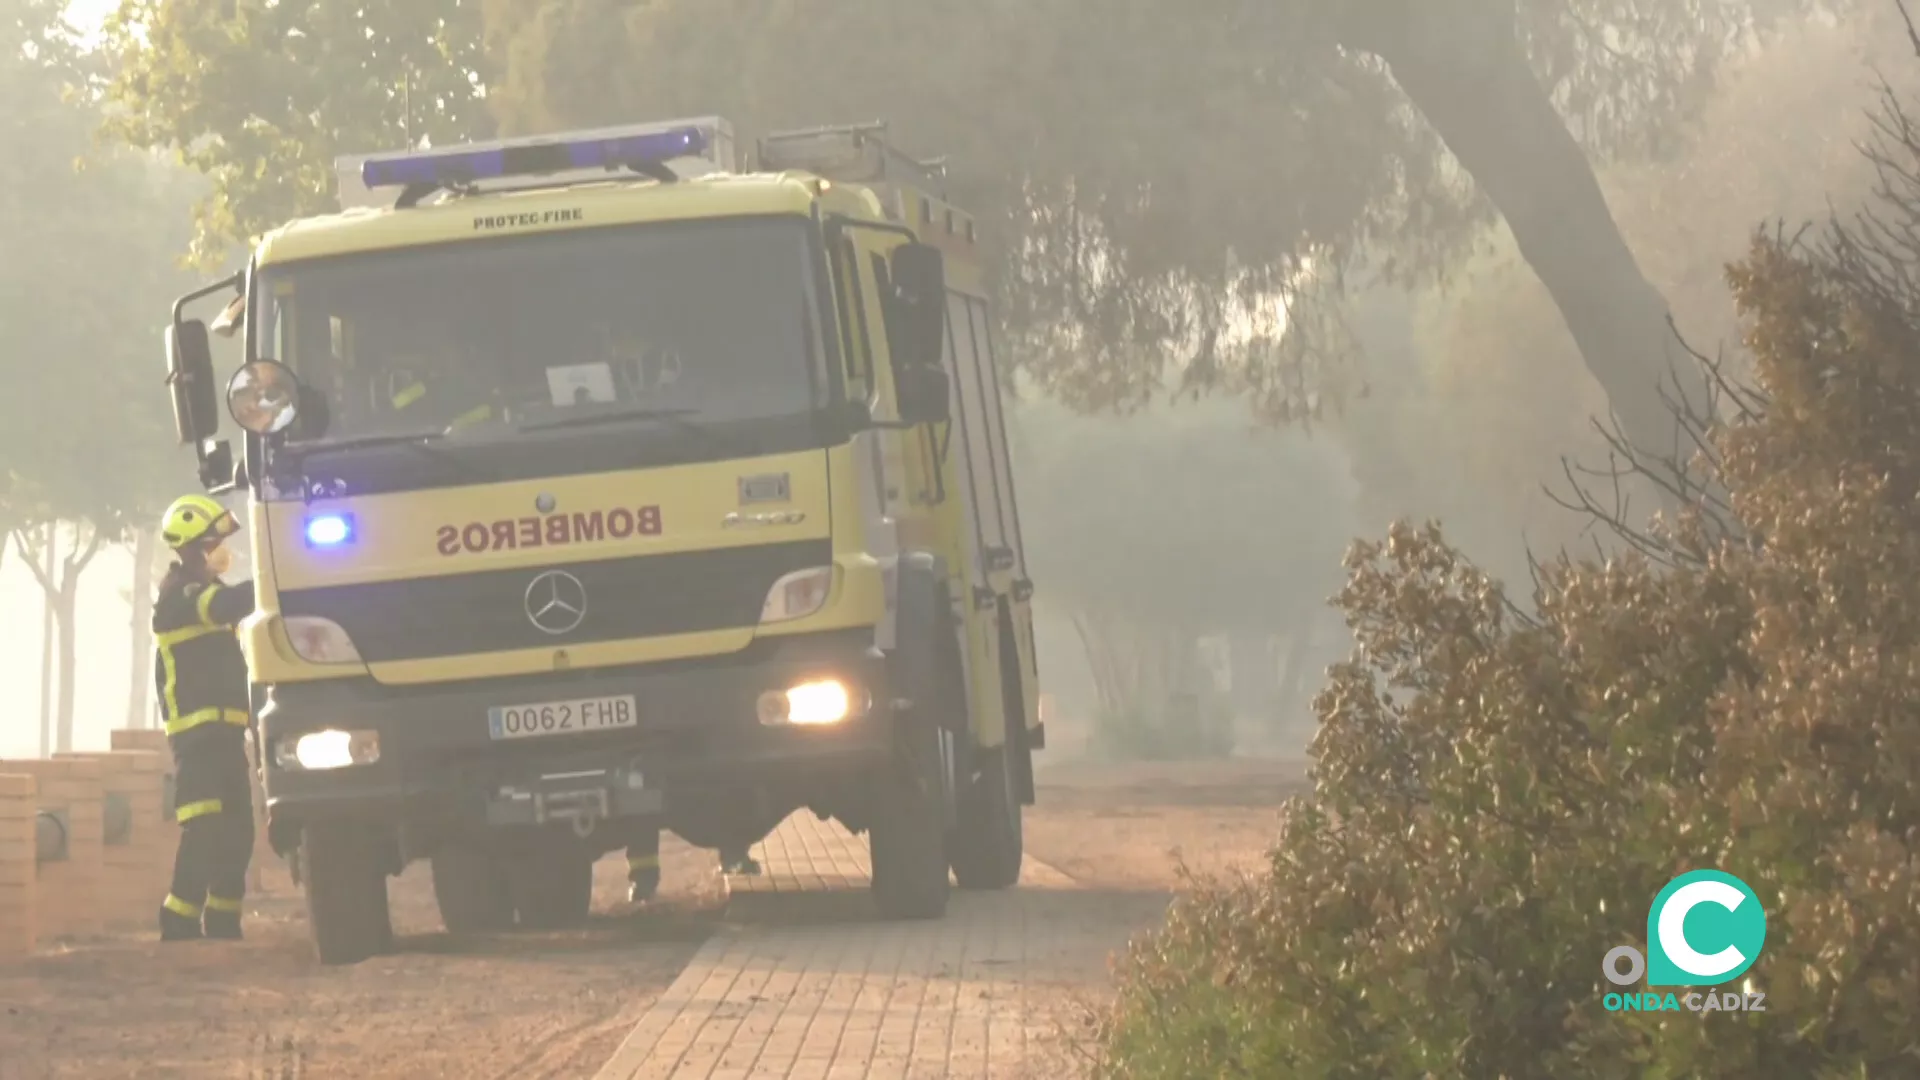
[{"x": 597, "y": 487}]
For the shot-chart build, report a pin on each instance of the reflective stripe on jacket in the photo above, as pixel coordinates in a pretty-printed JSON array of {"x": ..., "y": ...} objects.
[{"x": 197, "y": 664}]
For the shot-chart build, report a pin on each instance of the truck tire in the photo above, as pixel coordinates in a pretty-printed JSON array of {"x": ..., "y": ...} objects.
[
  {"x": 345, "y": 881},
  {"x": 907, "y": 840},
  {"x": 988, "y": 842},
  {"x": 551, "y": 882},
  {"x": 471, "y": 889}
]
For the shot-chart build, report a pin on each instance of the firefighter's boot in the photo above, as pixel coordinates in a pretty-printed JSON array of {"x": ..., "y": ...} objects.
[
  {"x": 222, "y": 921},
  {"x": 643, "y": 878},
  {"x": 737, "y": 862},
  {"x": 176, "y": 925}
]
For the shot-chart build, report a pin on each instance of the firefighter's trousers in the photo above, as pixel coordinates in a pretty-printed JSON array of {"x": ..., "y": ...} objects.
[
  {"x": 213, "y": 801},
  {"x": 643, "y": 862}
]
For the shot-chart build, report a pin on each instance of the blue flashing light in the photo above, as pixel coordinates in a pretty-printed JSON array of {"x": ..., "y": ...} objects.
[
  {"x": 329, "y": 530},
  {"x": 446, "y": 167}
]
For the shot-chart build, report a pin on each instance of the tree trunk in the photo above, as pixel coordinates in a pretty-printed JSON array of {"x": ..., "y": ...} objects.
[
  {"x": 140, "y": 634},
  {"x": 1467, "y": 72},
  {"x": 75, "y": 563},
  {"x": 69, "y": 592},
  {"x": 45, "y": 572}
]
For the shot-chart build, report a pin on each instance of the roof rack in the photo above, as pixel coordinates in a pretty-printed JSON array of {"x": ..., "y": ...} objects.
[
  {"x": 852, "y": 154},
  {"x": 666, "y": 151}
]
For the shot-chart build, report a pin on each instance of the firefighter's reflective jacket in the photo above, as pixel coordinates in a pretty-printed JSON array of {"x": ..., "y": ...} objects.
[{"x": 198, "y": 667}]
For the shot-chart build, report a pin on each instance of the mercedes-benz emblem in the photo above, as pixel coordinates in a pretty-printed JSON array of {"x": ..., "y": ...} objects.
[{"x": 556, "y": 602}]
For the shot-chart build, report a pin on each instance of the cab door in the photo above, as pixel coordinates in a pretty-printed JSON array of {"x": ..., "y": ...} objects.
[{"x": 899, "y": 489}]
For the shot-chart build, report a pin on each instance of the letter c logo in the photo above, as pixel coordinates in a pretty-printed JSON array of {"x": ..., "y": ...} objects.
[{"x": 1728, "y": 916}]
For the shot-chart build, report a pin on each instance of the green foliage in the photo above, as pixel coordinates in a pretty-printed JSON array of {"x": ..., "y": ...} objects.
[
  {"x": 1498, "y": 798},
  {"x": 1156, "y": 176},
  {"x": 261, "y": 97},
  {"x": 83, "y": 294}
]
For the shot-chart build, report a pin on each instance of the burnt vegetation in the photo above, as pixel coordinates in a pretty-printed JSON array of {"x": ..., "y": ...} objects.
[{"x": 1501, "y": 787}]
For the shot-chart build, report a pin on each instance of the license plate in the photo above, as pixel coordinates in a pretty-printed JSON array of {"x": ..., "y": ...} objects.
[{"x": 562, "y": 717}]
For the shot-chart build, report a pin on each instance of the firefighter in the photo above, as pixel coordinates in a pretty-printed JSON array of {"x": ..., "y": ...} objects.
[
  {"x": 643, "y": 865},
  {"x": 205, "y": 697},
  {"x": 429, "y": 383}
]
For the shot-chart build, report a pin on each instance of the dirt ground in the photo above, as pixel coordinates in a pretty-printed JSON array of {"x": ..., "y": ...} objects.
[{"x": 551, "y": 1005}]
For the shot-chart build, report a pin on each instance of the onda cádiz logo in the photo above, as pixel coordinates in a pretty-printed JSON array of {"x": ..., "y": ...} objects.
[{"x": 1706, "y": 928}]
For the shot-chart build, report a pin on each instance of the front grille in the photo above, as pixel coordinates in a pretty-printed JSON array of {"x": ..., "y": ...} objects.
[{"x": 645, "y": 596}]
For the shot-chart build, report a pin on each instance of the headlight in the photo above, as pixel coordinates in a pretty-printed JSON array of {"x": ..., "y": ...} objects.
[
  {"x": 797, "y": 595},
  {"x": 816, "y": 702},
  {"x": 330, "y": 749},
  {"x": 320, "y": 641}
]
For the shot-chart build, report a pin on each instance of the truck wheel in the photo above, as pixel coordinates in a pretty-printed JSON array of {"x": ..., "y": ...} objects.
[
  {"x": 471, "y": 889},
  {"x": 907, "y": 839},
  {"x": 346, "y": 891},
  {"x": 551, "y": 882},
  {"x": 987, "y": 843}
]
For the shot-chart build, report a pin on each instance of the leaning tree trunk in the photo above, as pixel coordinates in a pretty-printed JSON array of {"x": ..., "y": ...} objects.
[
  {"x": 140, "y": 633},
  {"x": 1465, "y": 69}
]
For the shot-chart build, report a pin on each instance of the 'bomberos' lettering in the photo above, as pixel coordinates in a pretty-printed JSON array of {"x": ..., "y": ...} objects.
[{"x": 554, "y": 530}]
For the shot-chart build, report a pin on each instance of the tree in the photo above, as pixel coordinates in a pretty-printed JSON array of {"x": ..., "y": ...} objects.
[
  {"x": 83, "y": 304},
  {"x": 1477, "y": 394},
  {"x": 261, "y": 97},
  {"x": 1161, "y": 173}
]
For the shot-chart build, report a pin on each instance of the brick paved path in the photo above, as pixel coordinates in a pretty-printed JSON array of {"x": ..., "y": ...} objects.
[{"x": 846, "y": 996}]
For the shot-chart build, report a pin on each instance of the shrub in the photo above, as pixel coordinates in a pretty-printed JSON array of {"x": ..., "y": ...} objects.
[{"x": 1499, "y": 794}]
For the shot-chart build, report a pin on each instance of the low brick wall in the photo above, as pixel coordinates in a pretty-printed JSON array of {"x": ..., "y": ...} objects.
[
  {"x": 136, "y": 858},
  {"x": 19, "y": 798},
  {"x": 163, "y": 837},
  {"x": 68, "y": 898}
]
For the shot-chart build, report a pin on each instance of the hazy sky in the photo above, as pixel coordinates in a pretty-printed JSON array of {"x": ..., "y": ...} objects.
[{"x": 87, "y": 15}]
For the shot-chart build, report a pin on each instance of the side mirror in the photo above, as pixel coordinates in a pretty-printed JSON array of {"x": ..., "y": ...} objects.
[
  {"x": 196, "y": 401},
  {"x": 924, "y": 394},
  {"x": 919, "y": 276},
  {"x": 264, "y": 397}
]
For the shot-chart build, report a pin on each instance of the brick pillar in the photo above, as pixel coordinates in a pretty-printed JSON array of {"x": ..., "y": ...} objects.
[
  {"x": 69, "y": 890},
  {"x": 18, "y": 800},
  {"x": 132, "y": 879}
]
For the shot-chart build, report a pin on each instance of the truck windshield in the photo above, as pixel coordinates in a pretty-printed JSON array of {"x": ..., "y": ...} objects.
[{"x": 707, "y": 322}]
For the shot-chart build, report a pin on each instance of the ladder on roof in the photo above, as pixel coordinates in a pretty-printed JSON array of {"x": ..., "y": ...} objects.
[{"x": 850, "y": 154}]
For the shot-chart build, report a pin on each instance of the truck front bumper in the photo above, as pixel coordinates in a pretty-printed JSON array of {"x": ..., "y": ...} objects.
[{"x": 698, "y": 748}]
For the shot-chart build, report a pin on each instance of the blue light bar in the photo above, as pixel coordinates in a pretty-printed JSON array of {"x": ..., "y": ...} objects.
[
  {"x": 442, "y": 168},
  {"x": 329, "y": 530}
]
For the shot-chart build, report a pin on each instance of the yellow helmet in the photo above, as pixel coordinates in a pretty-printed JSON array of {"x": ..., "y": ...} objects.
[{"x": 193, "y": 518}]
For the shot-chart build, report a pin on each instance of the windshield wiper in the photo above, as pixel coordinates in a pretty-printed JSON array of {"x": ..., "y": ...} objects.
[
  {"x": 421, "y": 442},
  {"x": 677, "y": 417},
  {"x": 360, "y": 442}
]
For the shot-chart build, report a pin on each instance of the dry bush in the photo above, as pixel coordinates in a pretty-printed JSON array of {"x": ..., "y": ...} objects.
[{"x": 1499, "y": 796}]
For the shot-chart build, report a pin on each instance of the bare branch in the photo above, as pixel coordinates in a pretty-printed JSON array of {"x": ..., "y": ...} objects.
[{"x": 33, "y": 564}]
